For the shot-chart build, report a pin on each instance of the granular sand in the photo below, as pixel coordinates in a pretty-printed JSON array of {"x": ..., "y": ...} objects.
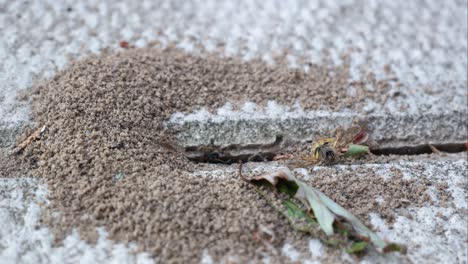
[
  {"x": 106, "y": 160},
  {"x": 362, "y": 192}
]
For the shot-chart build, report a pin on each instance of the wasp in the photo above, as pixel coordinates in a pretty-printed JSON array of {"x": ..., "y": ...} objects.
[
  {"x": 324, "y": 150},
  {"x": 345, "y": 143}
]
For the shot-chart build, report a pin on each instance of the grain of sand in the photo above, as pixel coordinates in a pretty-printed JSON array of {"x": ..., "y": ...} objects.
[{"x": 105, "y": 158}]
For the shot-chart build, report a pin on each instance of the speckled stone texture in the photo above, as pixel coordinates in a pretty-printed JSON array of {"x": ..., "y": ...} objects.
[
  {"x": 420, "y": 43},
  {"x": 419, "y": 47}
]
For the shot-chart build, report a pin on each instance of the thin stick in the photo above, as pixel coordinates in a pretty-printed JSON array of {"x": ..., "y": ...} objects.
[
  {"x": 434, "y": 149},
  {"x": 240, "y": 172},
  {"x": 33, "y": 137}
]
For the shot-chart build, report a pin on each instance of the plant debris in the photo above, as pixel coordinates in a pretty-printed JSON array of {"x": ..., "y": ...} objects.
[
  {"x": 358, "y": 247},
  {"x": 119, "y": 176},
  {"x": 329, "y": 215},
  {"x": 347, "y": 143},
  {"x": 124, "y": 44},
  {"x": 33, "y": 137}
]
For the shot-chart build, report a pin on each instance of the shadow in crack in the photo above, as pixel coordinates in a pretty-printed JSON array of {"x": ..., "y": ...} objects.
[{"x": 266, "y": 152}]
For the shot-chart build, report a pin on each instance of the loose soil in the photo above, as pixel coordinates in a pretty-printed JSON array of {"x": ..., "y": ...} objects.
[
  {"x": 363, "y": 191},
  {"x": 109, "y": 161}
]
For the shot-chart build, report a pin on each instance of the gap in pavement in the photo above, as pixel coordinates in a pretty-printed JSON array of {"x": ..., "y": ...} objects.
[{"x": 235, "y": 153}]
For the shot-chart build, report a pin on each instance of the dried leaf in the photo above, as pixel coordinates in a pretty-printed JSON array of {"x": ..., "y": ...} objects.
[
  {"x": 361, "y": 137},
  {"x": 325, "y": 210},
  {"x": 345, "y": 137}
]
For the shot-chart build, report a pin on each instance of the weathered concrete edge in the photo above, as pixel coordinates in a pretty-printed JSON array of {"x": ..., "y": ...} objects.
[{"x": 387, "y": 130}]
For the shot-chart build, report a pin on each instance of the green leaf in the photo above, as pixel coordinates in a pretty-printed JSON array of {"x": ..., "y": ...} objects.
[
  {"x": 332, "y": 242},
  {"x": 358, "y": 226},
  {"x": 287, "y": 187},
  {"x": 342, "y": 231},
  {"x": 294, "y": 211},
  {"x": 324, "y": 216},
  {"x": 326, "y": 211},
  {"x": 356, "y": 151},
  {"x": 357, "y": 247},
  {"x": 393, "y": 247}
]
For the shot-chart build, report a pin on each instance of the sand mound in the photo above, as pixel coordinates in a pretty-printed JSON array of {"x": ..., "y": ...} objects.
[{"x": 107, "y": 160}]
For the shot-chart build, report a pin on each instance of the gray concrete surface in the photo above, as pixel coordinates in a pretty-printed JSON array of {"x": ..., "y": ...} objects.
[
  {"x": 433, "y": 234},
  {"x": 261, "y": 126},
  {"x": 22, "y": 240},
  {"x": 424, "y": 43}
]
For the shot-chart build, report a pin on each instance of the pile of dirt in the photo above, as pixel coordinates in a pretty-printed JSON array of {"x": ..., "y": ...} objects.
[
  {"x": 364, "y": 191},
  {"x": 107, "y": 157}
]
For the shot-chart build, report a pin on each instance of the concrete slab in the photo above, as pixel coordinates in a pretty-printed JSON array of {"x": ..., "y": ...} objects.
[
  {"x": 433, "y": 234},
  {"x": 254, "y": 125},
  {"x": 419, "y": 44},
  {"x": 22, "y": 240}
]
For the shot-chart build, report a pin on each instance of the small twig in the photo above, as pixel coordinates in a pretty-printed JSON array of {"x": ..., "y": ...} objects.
[
  {"x": 240, "y": 172},
  {"x": 33, "y": 137},
  {"x": 434, "y": 149}
]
